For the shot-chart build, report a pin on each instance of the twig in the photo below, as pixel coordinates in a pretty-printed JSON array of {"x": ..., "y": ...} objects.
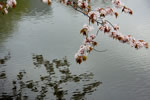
[{"x": 99, "y": 50}]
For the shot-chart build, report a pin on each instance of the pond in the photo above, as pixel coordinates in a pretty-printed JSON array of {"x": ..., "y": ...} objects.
[{"x": 37, "y": 47}]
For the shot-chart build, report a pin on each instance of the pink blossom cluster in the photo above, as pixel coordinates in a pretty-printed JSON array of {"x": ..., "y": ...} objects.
[
  {"x": 83, "y": 4},
  {"x": 9, "y": 4},
  {"x": 107, "y": 11},
  {"x": 109, "y": 29},
  {"x": 3, "y": 9},
  {"x": 1, "y": 6},
  {"x": 115, "y": 34},
  {"x": 127, "y": 10},
  {"x": 94, "y": 15},
  {"x": 88, "y": 27},
  {"x": 85, "y": 48},
  {"x": 47, "y": 1},
  {"x": 118, "y": 3}
]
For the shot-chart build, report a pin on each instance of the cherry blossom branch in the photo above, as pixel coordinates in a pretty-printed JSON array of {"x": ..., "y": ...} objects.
[
  {"x": 107, "y": 27},
  {"x": 84, "y": 12}
]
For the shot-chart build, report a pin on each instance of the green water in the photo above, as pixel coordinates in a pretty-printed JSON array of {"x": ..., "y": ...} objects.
[{"x": 37, "y": 47}]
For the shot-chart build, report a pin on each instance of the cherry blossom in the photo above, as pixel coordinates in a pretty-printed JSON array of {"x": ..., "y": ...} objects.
[
  {"x": 118, "y": 3},
  {"x": 83, "y": 4},
  {"x": 11, "y": 3},
  {"x": 1, "y": 6},
  {"x": 86, "y": 47},
  {"x": 127, "y": 10},
  {"x": 116, "y": 27},
  {"x": 107, "y": 11},
  {"x": 47, "y": 1},
  {"x": 115, "y": 34},
  {"x": 86, "y": 29},
  {"x": 93, "y": 15},
  {"x": 5, "y": 11}
]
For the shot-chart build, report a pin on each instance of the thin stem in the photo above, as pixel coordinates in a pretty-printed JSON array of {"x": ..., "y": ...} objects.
[
  {"x": 110, "y": 23},
  {"x": 97, "y": 32},
  {"x": 82, "y": 11}
]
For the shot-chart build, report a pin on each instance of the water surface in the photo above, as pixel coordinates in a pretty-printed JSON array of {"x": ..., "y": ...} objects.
[{"x": 37, "y": 47}]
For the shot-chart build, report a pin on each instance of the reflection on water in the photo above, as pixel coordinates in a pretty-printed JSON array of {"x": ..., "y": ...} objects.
[
  {"x": 36, "y": 7},
  {"x": 8, "y": 22},
  {"x": 25, "y": 8},
  {"x": 3, "y": 61},
  {"x": 59, "y": 82},
  {"x": 5, "y": 58}
]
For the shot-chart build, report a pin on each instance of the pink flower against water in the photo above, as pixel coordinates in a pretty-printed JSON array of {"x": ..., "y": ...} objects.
[
  {"x": 86, "y": 47},
  {"x": 116, "y": 27},
  {"x": 1, "y": 6},
  {"x": 83, "y": 4},
  {"x": 109, "y": 11},
  {"x": 127, "y": 10},
  {"x": 5, "y": 11},
  {"x": 94, "y": 14},
  {"x": 11, "y": 3},
  {"x": 107, "y": 28},
  {"x": 82, "y": 51},
  {"x": 47, "y": 1},
  {"x": 92, "y": 36},
  {"x": 88, "y": 27},
  {"x": 118, "y": 3},
  {"x": 102, "y": 11}
]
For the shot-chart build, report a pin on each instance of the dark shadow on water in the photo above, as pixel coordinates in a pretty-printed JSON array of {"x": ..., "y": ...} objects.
[
  {"x": 3, "y": 61},
  {"x": 58, "y": 84}
]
